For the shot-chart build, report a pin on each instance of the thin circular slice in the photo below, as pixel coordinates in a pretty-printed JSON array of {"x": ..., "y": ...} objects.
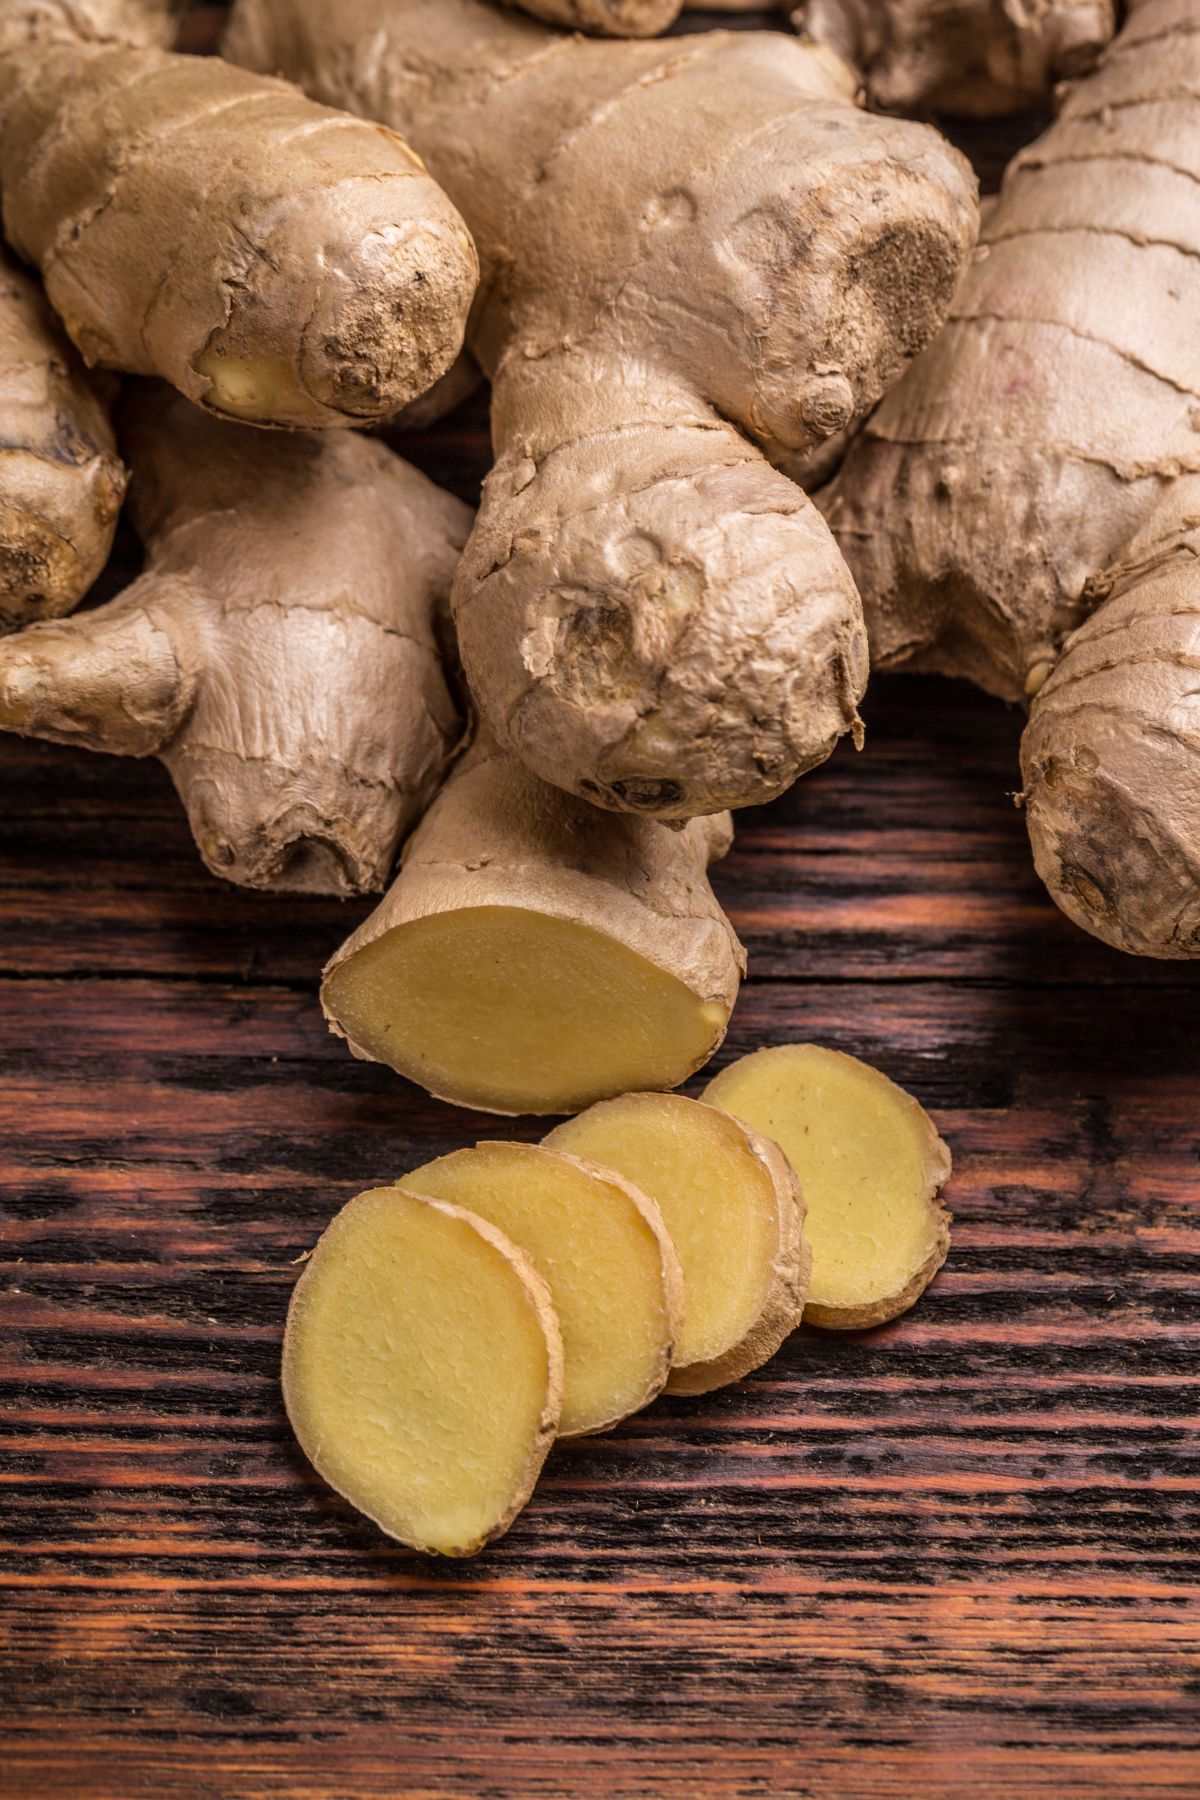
[
  {"x": 730, "y": 1200},
  {"x": 871, "y": 1168},
  {"x": 604, "y": 1254},
  {"x": 509, "y": 1009},
  {"x": 422, "y": 1369}
]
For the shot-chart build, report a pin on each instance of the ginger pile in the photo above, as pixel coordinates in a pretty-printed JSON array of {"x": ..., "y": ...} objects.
[
  {"x": 693, "y": 252},
  {"x": 685, "y": 265}
]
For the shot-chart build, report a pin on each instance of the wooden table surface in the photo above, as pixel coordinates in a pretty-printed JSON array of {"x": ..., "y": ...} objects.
[{"x": 954, "y": 1557}]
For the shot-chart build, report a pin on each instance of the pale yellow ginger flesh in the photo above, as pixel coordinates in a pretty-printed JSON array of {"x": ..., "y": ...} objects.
[
  {"x": 734, "y": 1211},
  {"x": 422, "y": 1370},
  {"x": 871, "y": 1168},
  {"x": 602, "y": 1249},
  {"x": 514, "y": 1011},
  {"x": 535, "y": 954}
]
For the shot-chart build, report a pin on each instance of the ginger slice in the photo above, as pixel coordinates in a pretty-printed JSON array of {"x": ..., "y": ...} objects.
[
  {"x": 535, "y": 954},
  {"x": 871, "y": 1168},
  {"x": 422, "y": 1369},
  {"x": 605, "y": 1255},
  {"x": 732, "y": 1205}
]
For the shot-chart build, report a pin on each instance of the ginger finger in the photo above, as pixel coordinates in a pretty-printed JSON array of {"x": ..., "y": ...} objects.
[
  {"x": 695, "y": 251},
  {"x": 275, "y": 260},
  {"x": 280, "y": 654},
  {"x": 61, "y": 478}
]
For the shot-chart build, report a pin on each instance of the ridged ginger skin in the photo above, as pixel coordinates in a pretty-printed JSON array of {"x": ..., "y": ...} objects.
[
  {"x": 693, "y": 251},
  {"x": 132, "y": 22},
  {"x": 975, "y": 57},
  {"x": 535, "y": 953},
  {"x": 280, "y": 654},
  {"x": 277, "y": 262},
  {"x": 1022, "y": 508},
  {"x": 605, "y": 18},
  {"x": 61, "y": 477}
]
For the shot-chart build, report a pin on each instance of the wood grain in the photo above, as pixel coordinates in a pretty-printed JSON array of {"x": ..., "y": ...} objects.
[
  {"x": 956, "y": 1557},
  {"x": 952, "y": 1556}
]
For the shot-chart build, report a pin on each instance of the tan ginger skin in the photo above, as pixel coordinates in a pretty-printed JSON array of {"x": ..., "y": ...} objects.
[
  {"x": 607, "y": 18},
  {"x": 694, "y": 251},
  {"x": 980, "y": 57},
  {"x": 61, "y": 478},
  {"x": 276, "y": 261},
  {"x": 280, "y": 653},
  {"x": 1024, "y": 508},
  {"x": 975, "y": 57},
  {"x": 132, "y": 22}
]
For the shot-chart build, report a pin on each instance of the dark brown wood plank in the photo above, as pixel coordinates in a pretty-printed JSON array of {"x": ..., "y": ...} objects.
[{"x": 953, "y": 1555}]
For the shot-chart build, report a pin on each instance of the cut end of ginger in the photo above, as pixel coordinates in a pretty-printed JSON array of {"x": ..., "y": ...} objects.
[
  {"x": 730, "y": 1202},
  {"x": 422, "y": 1369},
  {"x": 606, "y": 1258},
  {"x": 509, "y": 1009},
  {"x": 871, "y": 1168}
]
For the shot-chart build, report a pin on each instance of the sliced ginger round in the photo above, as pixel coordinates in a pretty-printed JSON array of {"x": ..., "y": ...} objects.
[
  {"x": 509, "y": 1009},
  {"x": 422, "y": 1369},
  {"x": 871, "y": 1168},
  {"x": 605, "y": 1255},
  {"x": 731, "y": 1203}
]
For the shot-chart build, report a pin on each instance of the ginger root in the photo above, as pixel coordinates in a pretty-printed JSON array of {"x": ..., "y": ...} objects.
[
  {"x": 276, "y": 261},
  {"x": 871, "y": 1168},
  {"x": 144, "y": 23},
  {"x": 731, "y": 1202},
  {"x": 607, "y": 18},
  {"x": 603, "y": 1251},
  {"x": 535, "y": 954},
  {"x": 973, "y": 57},
  {"x": 61, "y": 479},
  {"x": 280, "y": 653},
  {"x": 1030, "y": 490},
  {"x": 694, "y": 250},
  {"x": 422, "y": 1369}
]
